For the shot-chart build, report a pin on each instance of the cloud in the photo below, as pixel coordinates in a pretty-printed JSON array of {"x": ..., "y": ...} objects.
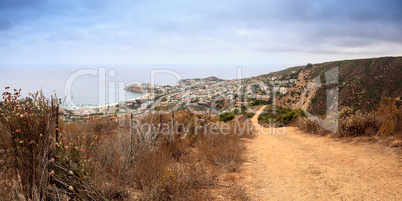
[{"x": 128, "y": 31}]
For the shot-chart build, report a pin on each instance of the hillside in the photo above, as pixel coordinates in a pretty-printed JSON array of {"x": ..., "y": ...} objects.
[
  {"x": 361, "y": 83},
  {"x": 199, "y": 80}
]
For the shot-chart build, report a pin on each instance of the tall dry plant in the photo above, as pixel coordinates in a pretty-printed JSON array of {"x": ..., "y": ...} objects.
[
  {"x": 49, "y": 167},
  {"x": 30, "y": 125}
]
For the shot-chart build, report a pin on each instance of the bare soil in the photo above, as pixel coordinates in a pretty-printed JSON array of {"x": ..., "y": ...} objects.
[{"x": 299, "y": 166}]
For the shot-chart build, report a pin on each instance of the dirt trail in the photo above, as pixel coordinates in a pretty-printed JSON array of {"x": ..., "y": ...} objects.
[{"x": 299, "y": 166}]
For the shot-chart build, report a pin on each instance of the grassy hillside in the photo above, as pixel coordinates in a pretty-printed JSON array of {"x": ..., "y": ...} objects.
[
  {"x": 361, "y": 83},
  {"x": 369, "y": 95}
]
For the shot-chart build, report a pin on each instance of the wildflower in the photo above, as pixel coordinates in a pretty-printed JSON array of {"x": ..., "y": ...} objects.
[
  {"x": 83, "y": 150},
  {"x": 18, "y": 130},
  {"x": 52, "y": 172},
  {"x": 71, "y": 188},
  {"x": 52, "y": 160},
  {"x": 21, "y": 142},
  {"x": 76, "y": 148},
  {"x": 40, "y": 135},
  {"x": 70, "y": 172},
  {"x": 22, "y": 116},
  {"x": 64, "y": 139},
  {"x": 66, "y": 147},
  {"x": 29, "y": 93}
]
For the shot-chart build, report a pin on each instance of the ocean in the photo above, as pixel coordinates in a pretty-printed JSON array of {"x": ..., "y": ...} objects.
[{"x": 90, "y": 85}]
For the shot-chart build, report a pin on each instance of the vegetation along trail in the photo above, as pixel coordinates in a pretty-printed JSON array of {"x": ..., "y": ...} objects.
[{"x": 299, "y": 166}]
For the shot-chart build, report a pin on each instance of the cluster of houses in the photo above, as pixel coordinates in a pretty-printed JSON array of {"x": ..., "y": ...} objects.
[{"x": 201, "y": 93}]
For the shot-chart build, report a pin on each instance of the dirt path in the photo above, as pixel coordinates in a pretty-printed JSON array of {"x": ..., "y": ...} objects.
[{"x": 299, "y": 166}]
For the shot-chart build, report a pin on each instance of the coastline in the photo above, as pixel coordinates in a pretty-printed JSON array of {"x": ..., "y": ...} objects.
[{"x": 103, "y": 107}]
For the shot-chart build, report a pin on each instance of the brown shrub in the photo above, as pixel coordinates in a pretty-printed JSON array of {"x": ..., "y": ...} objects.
[
  {"x": 357, "y": 124},
  {"x": 307, "y": 125},
  {"x": 224, "y": 151},
  {"x": 42, "y": 163},
  {"x": 29, "y": 128},
  {"x": 165, "y": 166},
  {"x": 237, "y": 193},
  {"x": 114, "y": 164},
  {"x": 389, "y": 112},
  {"x": 10, "y": 183}
]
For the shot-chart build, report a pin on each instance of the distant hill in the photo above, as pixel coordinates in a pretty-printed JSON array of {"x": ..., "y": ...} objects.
[
  {"x": 361, "y": 83},
  {"x": 204, "y": 80},
  {"x": 287, "y": 71},
  {"x": 140, "y": 88}
]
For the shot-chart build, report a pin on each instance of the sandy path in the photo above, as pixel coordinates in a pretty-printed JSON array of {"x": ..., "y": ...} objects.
[{"x": 298, "y": 166}]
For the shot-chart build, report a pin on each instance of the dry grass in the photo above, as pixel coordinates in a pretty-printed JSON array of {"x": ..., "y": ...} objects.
[
  {"x": 29, "y": 128},
  {"x": 237, "y": 193},
  {"x": 103, "y": 159},
  {"x": 43, "y": 166},
  {"x": 162, "y": 163},
  {"x": 223, "y": 150},
  {"x": 382, "y": 126}
]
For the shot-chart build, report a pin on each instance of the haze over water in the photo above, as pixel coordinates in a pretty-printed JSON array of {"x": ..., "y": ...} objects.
[{"x": 52, "y": 79}]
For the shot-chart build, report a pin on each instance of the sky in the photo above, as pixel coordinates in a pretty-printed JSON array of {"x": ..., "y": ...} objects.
[
  {"x": 43, "y": 42},
  {"x": 197, "y": 32}
]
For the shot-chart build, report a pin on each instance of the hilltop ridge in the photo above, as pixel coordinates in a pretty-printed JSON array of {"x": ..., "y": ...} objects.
[
  {"x": 204, "y": 80},
  {"x": 361, "y": 83}
]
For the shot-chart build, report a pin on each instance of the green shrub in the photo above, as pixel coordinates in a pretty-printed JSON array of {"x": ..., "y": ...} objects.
[
  {"x": 243, "y": 109},
  {"x": 236, "y": 111},
  {"x": 291, "y": 114},
  {"x": 259, "y": 102},
  {"x": 226, "y": 116}
]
